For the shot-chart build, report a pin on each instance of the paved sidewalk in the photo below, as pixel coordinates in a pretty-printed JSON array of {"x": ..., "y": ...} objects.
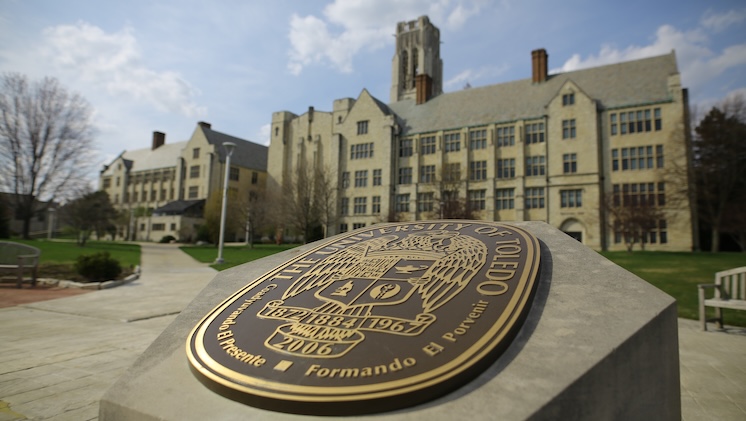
[{"x": 58, "y": 357}]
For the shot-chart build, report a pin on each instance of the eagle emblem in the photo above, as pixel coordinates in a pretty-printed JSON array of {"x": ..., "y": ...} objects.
[{"x": 360, "y": 287}]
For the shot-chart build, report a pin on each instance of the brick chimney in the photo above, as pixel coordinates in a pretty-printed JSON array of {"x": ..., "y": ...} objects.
[
  {"x": 158, "y": 140},
  {"x": 424, "y": 86},
  {"x": 539, "y": 59},
  {"x": 204, "y": 124}
]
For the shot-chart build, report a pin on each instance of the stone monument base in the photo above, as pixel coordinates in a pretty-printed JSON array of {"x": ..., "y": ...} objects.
[{"x": 598, "y": 343}]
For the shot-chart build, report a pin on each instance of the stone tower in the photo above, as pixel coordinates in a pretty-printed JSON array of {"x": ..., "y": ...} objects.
[{"x": 416, "y": 69}]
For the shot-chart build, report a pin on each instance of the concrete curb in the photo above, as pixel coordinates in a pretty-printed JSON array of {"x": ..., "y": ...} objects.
[{"x": 91, "y": 285}]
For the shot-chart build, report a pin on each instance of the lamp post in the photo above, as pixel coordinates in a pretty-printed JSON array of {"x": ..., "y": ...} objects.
[
  {"x": 228, "y": 152},
  {"x": 50, "y": 222}
]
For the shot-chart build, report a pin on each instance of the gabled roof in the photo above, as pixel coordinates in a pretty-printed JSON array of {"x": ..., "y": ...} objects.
[
  {"x": 624, "y": 84},
  {"x": 147, "y": 159},
  {"x": 246, "y": 154}
]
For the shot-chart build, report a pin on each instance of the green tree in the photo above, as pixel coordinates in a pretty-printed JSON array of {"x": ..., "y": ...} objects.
[
  {"x": 92, "y": 212},
  {"x": 720, "y": 164},
  {"x": 45, "y": 142}
]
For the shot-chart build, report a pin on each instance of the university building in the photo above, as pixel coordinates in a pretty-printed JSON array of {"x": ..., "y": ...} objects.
[
  {"x": 563, "y": 148},
  {"x": 165, "y": 187}
]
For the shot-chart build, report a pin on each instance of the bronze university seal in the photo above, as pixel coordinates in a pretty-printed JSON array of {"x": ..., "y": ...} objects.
[{"x": 380, "y": 318}]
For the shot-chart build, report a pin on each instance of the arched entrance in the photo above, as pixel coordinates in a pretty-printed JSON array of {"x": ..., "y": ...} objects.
[{"x": 574, "y": 229}]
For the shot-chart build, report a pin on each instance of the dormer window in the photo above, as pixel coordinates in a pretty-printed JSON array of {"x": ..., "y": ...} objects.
[
  {"x": 568, "y": 99},
  {"x": 362, "y": 127}
]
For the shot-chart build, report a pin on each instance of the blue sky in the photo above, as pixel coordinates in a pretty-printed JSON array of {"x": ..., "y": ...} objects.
[{"x": 165, "y": 65}]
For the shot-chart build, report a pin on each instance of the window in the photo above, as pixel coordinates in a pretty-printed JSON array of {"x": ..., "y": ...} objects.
[
  {"x": 427, "y": 174},
  {"x": 117, "y": 182},
  {"x": 194, "y": 171},
  {"x": 254, "y": 177},
  {"x": 360, "y": 205},
  {"x": 452, "y": 142},
  {"x": 375, "y": 206},
  {"x": 361, "y": 151},
  {"x": 478, "y": 139},
  {"x": 405, "y": 148},
  {"x": 107, "y": 183},
  {"x": 357, "y": 225},
  {"x": 195, "y": 153},
  {"x": 637, "y": 158},
  {"x": 234, "y": 174},
  {"x": 405, "y": 175},
  {"x": 477, "y": 199},
  {"x": 153, "y": 195},
  {"x": 639, "y": 194},
  {"x": 569, "y": 163},
  {"x": 568, "y": 129},
  {"x": 535, "y": 165},
  {"x": 506, "y": 168},
  {"x": 173, "y": 226},
  {"x": 402, "y": 203},
  {"x": 425, "y": 202},
  {"x": 638, "y": 121},
  {"x": 343, "y": 228},
  {"x": 568, "y": 99},
  {"x": 478, "y": 170},
  {"x": 345, "y": 179},
  {"x": 427, "y": 145},
  {"x": 159, "y": 227},
  {"x": 362, "y": 127},
  {"x": 344, "y": 206},
  {"x": 534, "y": 197},
  {"x": 376, "y": 177},
  {"x": 571, "y": 198},
  {"x": 452, "y": 172},
  {"x": 193, "y": 192},
  {"x": 163, "y": 194},
  {"x": 361, "y": 178},
  {"x": 505, "y": 136},
  {"x": 535, "y": 133},
  {"x": 658, "y": 124},
  {"x": 504, "y": 199}
]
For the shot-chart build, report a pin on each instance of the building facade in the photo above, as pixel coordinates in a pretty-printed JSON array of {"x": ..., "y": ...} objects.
[
  {"x": 164, "y": 187},
  {"x": 572, "y": 149}
]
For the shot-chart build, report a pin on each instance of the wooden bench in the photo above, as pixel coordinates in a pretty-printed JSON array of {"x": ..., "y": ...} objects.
[
  {"x": 730, "y": 292},
  {"x": 16, "y": 256}
]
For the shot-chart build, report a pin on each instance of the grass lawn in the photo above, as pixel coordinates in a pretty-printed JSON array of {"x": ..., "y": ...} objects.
[
  {"x": 58, "y": 257},
  {"x": 234, "y": 255},
  {"x": 678, "y": 274}
]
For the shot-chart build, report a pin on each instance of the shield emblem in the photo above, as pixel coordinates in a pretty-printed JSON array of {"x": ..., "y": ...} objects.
[{"x": 396, "y": 283}]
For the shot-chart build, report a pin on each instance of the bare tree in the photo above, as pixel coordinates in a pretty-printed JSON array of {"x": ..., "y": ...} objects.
[
  {"x": 45, "y": 142},
  {"x": 254, "y": 208},
  {"x": 451, "y": 205},
  {"x": 633, "y": 216}
]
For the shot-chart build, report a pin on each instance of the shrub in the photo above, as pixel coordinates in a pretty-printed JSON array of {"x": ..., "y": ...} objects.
[
  {"x": 98, "y": 267},
  {"x": 167, "y": 239}
]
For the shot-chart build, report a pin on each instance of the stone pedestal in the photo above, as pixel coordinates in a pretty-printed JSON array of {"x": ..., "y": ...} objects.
[{"x": 598, "y": 343}]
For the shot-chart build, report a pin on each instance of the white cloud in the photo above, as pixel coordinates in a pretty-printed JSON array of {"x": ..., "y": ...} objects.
[
  {"x": 698, "y": 63},
  {"x": 112, "y": 61},
  {"x": 263, "y": 137},
  {"x": 350, "y": 26},
  {"x": 719, "y": 22}
]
